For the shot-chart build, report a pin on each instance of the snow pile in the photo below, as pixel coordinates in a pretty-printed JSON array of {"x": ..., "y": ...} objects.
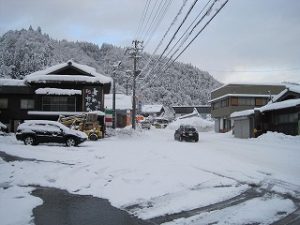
[
  {"x": 278, "y": 137},
  {"x": 57, "y": 91},
  {"x": 2, "y": 126},
  {"x": 200, "y": 124}
]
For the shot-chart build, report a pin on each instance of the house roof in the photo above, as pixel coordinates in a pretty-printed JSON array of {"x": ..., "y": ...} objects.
[
  {"x": 280, "y": 105},
  {"x": 86, "y": 74},
  {"x": 269, "y": 107},
  {"x": 243, "y": 113},
  {"x": 152, "y": 108},
  {"x": 239, "y": 95},
  {"x": 292, "y": 88},
  {"x": 122, "y": 101}
]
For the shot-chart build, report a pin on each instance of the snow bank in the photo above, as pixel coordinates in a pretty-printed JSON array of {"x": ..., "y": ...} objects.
[
  {"x": 201, "y": 125},
  {"x": 278, "y": 137},
  {"x": 11, "y": 82}
]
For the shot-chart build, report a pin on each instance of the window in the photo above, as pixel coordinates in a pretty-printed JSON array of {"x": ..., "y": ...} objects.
[
  {"x": 59, "y": 103},
  {"x": 246, "y": 101},
  {"x": 224, "y": 103},
  {"x": 3, "y": 103},
  {"x": 27, "y": 104},
  {"x": 286, "y": 118},
  {"x": 260, "y": 101},
  {"x": 216, "y": 105},
  {"x": 234, "y": 101}
]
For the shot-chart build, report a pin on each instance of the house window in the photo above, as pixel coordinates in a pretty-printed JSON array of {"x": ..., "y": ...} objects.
[
  {"x": 59, "y": 103},
  {"x": 216, "y": 105},
  {"x": 260, "y": 101},
  {"x": 3, "y": 103},
  {"x": 246, "y": 101},
  {"x": 224, "y": 103},
  {"x": 286, "y": 118},
  {"x": 27, "y": 104},
  {"x": 234, "y": 101}
]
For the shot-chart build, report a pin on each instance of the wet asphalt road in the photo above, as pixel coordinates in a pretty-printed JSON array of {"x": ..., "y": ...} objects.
[{"x": 63, "y": 208}]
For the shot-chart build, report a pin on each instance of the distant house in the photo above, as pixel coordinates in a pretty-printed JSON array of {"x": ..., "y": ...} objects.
[
  {"x": 282, "y": 114},
  {"x": 123, "y": 110},
  {"x": 203, "y": 110},
  {"x": 232, "y": 98},
  {"x": 152, "y": 110},
  {"x": 65, "y": 89}
]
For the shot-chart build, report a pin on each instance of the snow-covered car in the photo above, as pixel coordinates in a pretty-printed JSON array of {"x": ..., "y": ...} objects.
[
  {"x": 33, "y": 132},
  {"x": 187, "y": 133},
  {"x": 160, "y": 123},
  {"x": 145, "y": 124}
]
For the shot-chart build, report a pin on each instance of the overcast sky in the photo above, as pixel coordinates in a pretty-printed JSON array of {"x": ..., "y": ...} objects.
[{"x": 249, "y": 41}]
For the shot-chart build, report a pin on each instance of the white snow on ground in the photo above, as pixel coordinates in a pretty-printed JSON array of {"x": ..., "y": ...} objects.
[
  {"x": 199, "y": 123},
  {"x": 150, "y": 167},
  {"x": 261, "y": 211},
  {"x": 16, "y": 204}
]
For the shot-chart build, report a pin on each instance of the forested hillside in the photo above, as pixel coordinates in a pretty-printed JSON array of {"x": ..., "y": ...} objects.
[{"x": 25, "y": 51}]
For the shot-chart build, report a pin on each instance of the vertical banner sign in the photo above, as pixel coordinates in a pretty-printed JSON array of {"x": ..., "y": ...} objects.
[{"x": 92, "y": 99}]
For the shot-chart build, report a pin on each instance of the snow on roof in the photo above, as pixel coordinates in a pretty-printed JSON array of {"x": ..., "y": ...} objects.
[
  {"x": 195, "y": 113},
  {"x": 239, "y": 95},
  {"x": 151, "y": 108},
  {"x": 280, "y": 105},
  {"x": 3, "y": 126},
  {"x": 293, "y": 88},
  {"x": 242, "y": 113},
  {"x": 122, "y": 101},
  {"x": 57, "y": 91},
  {"x": 44, "y": 75},
  {"x": 11, "y": 82},
  {"x": 67, "y": 78},
  {"x": 252, "y": 84},
  {"x": 64, "y": 113}
]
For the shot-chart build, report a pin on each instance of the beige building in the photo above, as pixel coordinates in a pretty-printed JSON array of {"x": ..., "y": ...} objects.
[{"x": 231, "y": 98}]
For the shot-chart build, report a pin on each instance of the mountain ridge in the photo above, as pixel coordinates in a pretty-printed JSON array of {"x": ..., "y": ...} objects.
[{"x": 25, "y": 51}]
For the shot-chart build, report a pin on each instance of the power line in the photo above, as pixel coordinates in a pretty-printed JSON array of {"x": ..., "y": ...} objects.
[
  {"x": 207, "y": 23},
  {"x": 187, "y": 34},
  {"x": 173, "y": 37},
  {"x": 148, "y": 18},
  {"x": 143, "y": 17},
  {"x": 165, "y": 34},
  {"x": 179, "y": 27},
  {"x": 157, "y": 21}
]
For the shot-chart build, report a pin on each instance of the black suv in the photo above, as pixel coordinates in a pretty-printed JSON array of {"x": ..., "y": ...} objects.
[
  {"x": 187, "y": 133},
  {"x": 33, "y": 132}
]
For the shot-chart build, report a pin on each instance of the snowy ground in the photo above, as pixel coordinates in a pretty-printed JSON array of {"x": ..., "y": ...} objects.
[{"x": 219, "y": 180}]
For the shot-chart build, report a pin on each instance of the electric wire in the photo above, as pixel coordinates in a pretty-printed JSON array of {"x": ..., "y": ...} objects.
[{"x": 194, "y": 38}]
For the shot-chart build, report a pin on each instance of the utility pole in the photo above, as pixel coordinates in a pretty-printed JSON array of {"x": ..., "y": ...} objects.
[
  {"x": 114, "y": 119},
  {"x": 137, "y": 46}
]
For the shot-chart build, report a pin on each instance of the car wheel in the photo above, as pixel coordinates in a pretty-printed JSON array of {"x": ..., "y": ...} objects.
[
  {"x": 93, "y": 137},
  {"x": 29, "y": 140},
  {"x": 196, "y": 140},
  {"x": 70, "y": 142}
]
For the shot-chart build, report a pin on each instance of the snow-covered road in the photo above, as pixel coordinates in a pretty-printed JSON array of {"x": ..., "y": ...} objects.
[{"x": 219, "y": 180}]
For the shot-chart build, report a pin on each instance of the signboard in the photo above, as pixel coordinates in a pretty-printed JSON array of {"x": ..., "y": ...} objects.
[{"x": 92, "y": 99}]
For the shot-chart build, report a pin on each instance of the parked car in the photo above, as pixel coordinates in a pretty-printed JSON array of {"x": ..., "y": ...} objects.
[
  {"x": 187, "y": 133},
  {"x": 160, "y": 123},
  {"x": 145, "y": 124},
  {"x": 33, "y": 132}
]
